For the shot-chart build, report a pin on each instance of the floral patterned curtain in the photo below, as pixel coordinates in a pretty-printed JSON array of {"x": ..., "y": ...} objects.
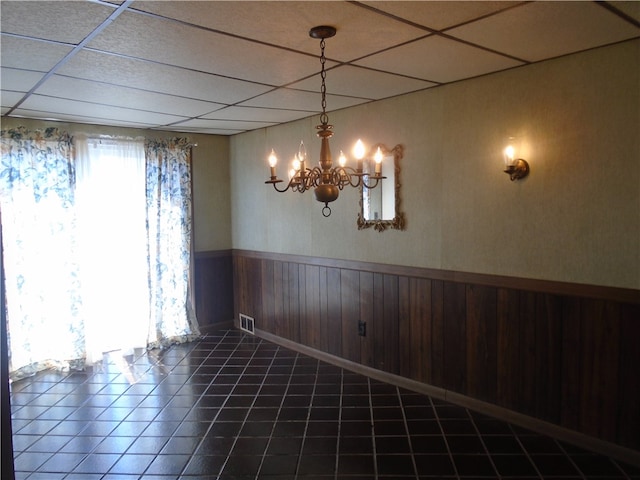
[
  {"x": 39, "y": 217},
  {"x": 37, "y": 206},
  {"x": 169, "y": 224}
]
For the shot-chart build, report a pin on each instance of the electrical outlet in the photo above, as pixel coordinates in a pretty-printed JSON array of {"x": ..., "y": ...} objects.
[{"x": 362, "y": 328}]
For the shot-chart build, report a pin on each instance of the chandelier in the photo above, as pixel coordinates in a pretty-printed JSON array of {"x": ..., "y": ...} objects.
[{"x": 326, "y": 180}]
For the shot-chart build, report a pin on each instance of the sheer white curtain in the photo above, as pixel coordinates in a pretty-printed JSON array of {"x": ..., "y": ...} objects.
[{"x": 112, "y": 243}]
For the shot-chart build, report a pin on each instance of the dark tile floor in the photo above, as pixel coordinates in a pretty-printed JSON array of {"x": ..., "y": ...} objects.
[{"x": 232, "y": 406}]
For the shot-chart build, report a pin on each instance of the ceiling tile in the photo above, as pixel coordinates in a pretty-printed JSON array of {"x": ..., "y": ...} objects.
[
  {"x": 237, "y": 65},
  {"x": 201, "y": 129},
  {"x": 72, "y": 117},
  {"x": 173, "y": 43},
  {"x": 9, "y": 98},
  {"x": 236, "y": 125},
  {"x": 31, "y": 54},
  {"x": 68, "y": 22},
  {"x": 105, "y": 112},
  {"x": 542, "y": 30},
  {"x": 157, "y": 78},
  {"x": 437, "y": 15},
  {"x": 297, "y": 99},
  {"x": 18, "y": 80},
  {"x": 99, "y": 92},
  {"x": 363, "y": 83},
  {"x": 432, "y": 60},
  {"x": 270, "y": 115},
  {"x": 629, "y": 8},
  {"x": 360, "y": 31}
]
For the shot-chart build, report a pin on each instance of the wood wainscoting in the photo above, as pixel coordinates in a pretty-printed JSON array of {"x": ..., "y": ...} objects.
[
  {"x": 214, "y": 289},
  {"x": 565, "y": 354}
]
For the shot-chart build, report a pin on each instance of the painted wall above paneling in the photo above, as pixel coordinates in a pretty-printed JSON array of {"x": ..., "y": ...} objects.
[{"x": 573, "y": 219}]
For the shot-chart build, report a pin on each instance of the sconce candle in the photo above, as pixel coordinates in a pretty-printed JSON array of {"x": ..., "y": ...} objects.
[{"x": 516, "y": 168}]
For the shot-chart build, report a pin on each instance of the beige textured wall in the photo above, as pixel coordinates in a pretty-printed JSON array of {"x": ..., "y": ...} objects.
[
  {"x": 210, "y": 163},
  {"x": 576, "y": 218}
]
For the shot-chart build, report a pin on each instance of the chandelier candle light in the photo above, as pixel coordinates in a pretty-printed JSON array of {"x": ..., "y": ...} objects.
[{"x": 326, "y": 180}]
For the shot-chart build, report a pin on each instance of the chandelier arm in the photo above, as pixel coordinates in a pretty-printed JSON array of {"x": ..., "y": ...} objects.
[
  {"x": 275, "y": 185},
  {"x": 372, "y": 185},
  {"x": 348, "y": 174},
  {"x": 306, "y": 182},
  {"x": 314, "y": 177}
]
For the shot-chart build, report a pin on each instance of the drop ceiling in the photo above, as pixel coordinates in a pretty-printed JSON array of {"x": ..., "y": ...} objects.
[{"x": 226, "y": 67}]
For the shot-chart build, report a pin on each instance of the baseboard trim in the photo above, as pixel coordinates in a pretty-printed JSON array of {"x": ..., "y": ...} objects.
[{"x": 578, "y": 439}]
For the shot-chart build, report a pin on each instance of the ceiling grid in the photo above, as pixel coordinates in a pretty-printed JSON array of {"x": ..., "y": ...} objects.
[{"x": 226, "y": 67}]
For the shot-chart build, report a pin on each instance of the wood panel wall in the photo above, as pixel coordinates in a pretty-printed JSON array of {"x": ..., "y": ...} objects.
[
  {"x": 213, "y": 287},
  {"x": 562, "y": 353}
]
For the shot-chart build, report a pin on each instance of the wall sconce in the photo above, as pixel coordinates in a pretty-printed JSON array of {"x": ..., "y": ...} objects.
[{"x": 516, "y": 168}]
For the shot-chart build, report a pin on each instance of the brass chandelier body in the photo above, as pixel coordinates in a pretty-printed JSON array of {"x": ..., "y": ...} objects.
[{"x": 326, "y": 180}]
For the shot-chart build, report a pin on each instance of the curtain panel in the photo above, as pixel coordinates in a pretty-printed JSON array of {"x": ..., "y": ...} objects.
[
  {"x": 169, "y": 227},
  {"x": 38, "y": 220},
  {"x": 45, "y": 250}
]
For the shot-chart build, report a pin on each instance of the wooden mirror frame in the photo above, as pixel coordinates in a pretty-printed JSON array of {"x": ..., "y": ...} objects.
[{"x": 398, "y": 221}]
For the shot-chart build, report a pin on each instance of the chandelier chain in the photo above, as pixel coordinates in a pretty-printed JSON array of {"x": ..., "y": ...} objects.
[{"x": 324, "y": 119}]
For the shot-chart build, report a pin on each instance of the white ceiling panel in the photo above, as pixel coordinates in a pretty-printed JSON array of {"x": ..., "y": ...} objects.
[
  {"x": 440, "y": 15},
  {"x": 204, "y": 129},
  {"x": 174, "y": 43},
  {"x": 18, "y": 80},
  {"x": 73, "y": 117},
  {"x": 542, "y": 30},
  {"x": 31, "y": 54},
  {"x": 109, "y": 94},
  {"x": 287, "y": 24},
  {"x": 158, "y": 78},
  {"x": 8, "y": 97},
  {"x": 105, "y": 112},
  {"x": 363, "y": 82},
  {"x": 269, "y": 115},
  {"x": 223, "y": 67},
  {"x": 68, "y": 22},
  {"x": 236, "y": 125},
  {"x": 308, "y": 101},
  {"x": 632, "y": 9},
  {"x": 432, "y": 60}
]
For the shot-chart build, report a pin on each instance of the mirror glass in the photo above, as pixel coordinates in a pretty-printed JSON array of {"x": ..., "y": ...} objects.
[{"x": 380, "y": 206}]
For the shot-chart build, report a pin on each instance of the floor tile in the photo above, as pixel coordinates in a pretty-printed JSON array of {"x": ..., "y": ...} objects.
[{"x": 232, "y": 406}]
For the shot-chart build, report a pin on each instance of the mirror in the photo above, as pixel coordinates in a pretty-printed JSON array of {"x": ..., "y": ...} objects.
[{"x": 380, "y": 206}]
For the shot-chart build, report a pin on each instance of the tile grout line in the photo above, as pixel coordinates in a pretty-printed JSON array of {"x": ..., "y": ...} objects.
[
  {"x": 444, "y": 437},
  {"x": 306, "y": 426},
  {"x": 484, "y": 446},
  {"x": 275, "y": 421},
  {"x": 337, "y": 460},
  {"x": 582, "y": 475},
  {"x": 526, "y": 452},
  {"x": 408, "y": 433},
  {"x": 373, "y": 431},
  {"x": 213, "y": 420}
]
